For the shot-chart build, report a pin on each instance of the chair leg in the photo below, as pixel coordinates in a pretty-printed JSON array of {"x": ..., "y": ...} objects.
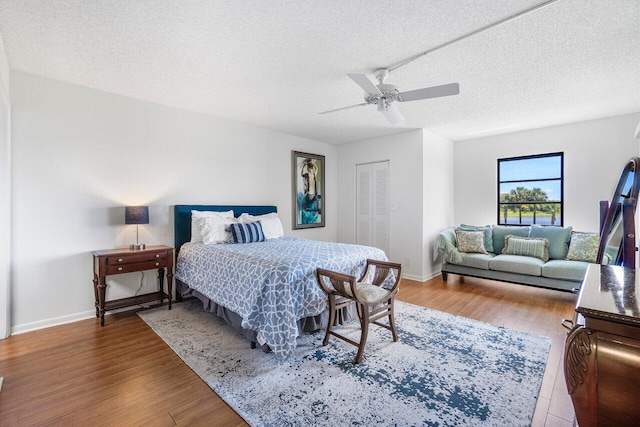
[
  {"x": 364, "y": 325},
  {"x": 359, "y": 311},
  {"x": 392, "y": 322},
  {"x": 332, "y": 319}
]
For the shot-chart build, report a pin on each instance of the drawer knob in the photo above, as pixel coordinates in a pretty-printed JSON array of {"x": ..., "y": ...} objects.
[
  {"x": 119, "y": 268},
  {"x": 157, "y": 255},
  {"x": 157, "y": 264},
  {"x": 119, "y": 259}
]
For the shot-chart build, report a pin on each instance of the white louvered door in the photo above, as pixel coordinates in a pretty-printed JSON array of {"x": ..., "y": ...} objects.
[{"x": 372, "y": 205}]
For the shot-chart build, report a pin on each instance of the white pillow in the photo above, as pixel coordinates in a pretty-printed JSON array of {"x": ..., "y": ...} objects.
[
  {"x": 196, "y": 234},
  {"x": 271, "y": 225},
  {"x": 216, "y": 230}
]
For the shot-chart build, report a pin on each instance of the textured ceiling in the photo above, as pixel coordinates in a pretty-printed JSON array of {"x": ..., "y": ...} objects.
[{"x": 277, "y": 63}]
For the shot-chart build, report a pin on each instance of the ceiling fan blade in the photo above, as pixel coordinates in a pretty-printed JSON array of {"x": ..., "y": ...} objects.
[
  {"x": 344, "y": 108},
  {"x": 363, "y": 81},
  {"x": 429, "y": 92},
  {"x": 392, "y": 114}
]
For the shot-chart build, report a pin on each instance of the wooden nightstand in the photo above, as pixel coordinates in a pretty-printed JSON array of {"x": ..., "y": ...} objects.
[{"x": 118, "y": 261}]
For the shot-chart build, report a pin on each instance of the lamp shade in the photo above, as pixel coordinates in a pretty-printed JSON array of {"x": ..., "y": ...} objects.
[{"x": 136, "y": 215}]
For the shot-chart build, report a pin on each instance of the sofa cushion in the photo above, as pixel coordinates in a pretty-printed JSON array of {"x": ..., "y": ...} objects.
[
  {"x": 558, "y": 237},
  {"x": 583, "y": 247},
  {"x": 565, "y": 270},
  {"x": 480, "y": 261},
  {"x": 517, "y": 264},
  {"x": 488, "y": 234},
  {"x": 500, "y": 232},
  {"x": 470, "y": 241},
  {"x": 527, "y": 246}
]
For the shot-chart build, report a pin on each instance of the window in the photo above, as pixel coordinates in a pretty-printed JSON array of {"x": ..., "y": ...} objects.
[{"x": 530, "y": 190}]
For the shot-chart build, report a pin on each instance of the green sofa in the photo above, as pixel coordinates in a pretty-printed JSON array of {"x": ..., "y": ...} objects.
[{"x": 564, "y": 270}]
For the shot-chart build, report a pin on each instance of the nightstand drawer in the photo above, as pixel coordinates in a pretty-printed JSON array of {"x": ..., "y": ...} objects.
[
  {"x": 137, "y": 266},
  {"x": 136, "y": 258}
]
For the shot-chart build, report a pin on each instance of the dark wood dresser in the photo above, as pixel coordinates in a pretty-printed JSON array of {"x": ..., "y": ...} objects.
[{"x": 602, "y": 351}]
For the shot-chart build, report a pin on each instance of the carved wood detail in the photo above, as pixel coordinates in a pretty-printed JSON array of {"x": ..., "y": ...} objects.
[{"x": 577, "y": 352}]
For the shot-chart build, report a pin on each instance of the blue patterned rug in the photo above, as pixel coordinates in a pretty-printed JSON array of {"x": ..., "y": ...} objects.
[{"x": 444, "y": 371}]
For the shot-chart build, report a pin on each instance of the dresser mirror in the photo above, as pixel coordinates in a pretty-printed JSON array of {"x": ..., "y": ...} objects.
[{"x": 617, "y": 222}]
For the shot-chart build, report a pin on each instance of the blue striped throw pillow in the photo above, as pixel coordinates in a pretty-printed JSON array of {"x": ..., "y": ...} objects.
[
  {"x": 247, "y": 233},
  {"x": 528, "y": 246}
]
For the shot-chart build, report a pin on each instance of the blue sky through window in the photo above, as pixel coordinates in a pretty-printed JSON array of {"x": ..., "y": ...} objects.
[
  {"x": 536, "y": 168},
  {"x": 532, "y": 169}
]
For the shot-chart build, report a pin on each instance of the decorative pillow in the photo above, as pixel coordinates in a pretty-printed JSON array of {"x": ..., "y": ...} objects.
[
  {"x": 528, "y": 246},
  {"x": 216, "y": 230},
  {"x": 501, "y": 231},
  {"x": 196, "y": 234},
  {"x": 271, "y": 225},
  {"x": 247, "y": 233},
  {"x": 488, "y": 234},
  {"x": 559, "y": 238},
  {"x": 470, "y": 241},
  {"x": 583, "y": 247}
]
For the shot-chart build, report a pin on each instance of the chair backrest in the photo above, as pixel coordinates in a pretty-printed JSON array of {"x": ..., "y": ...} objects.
[
  {"x": 381, "y": 272},
  {"x": 342, "y": 283}
]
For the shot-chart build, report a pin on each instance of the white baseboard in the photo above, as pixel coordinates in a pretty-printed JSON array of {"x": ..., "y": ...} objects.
[
  {"x": 55, "y": 321},
  {"x": 420, "y": 278}
]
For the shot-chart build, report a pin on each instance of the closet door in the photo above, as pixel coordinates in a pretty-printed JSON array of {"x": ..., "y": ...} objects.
[
  {"x": 372, "y": 205},
  {"x": 364, "y": 224}
]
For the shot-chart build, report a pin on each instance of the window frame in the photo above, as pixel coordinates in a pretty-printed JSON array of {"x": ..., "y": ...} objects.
[{"x": 530, "y": 157}]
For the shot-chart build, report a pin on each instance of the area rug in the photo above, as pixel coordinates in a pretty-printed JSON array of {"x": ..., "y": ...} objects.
[{"x": 444, "y": 371}]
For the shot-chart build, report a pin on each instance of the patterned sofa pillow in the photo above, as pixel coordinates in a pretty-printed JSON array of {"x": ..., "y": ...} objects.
[
  {"x": 527, "y": 246},
  {"x": 488, "y": 234},
  {"x": 583, "y": 247},
  {"x": 470, "y": 241}
]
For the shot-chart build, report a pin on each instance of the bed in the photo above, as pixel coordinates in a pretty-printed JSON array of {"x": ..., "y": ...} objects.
[{"x": 265, "y": 290}]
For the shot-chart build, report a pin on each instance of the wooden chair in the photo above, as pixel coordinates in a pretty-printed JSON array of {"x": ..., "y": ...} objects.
[{"x": 371, "y": 299}]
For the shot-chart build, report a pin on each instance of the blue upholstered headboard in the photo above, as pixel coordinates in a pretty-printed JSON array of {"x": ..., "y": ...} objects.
[{"x": 182, "y": 218}]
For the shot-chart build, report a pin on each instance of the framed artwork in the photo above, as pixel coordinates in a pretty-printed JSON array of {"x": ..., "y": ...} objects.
[{"x": 307, "y": 178}]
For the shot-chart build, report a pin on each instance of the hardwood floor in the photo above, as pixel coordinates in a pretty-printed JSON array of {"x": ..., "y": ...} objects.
[{"x": 124, "y": 374}]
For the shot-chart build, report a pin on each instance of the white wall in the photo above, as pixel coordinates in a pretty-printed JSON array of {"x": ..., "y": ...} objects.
[
  {"x": 595, "y": 152},
  {"x": 404, "y": 153},
  {"x": 5, "y": 195},
  {"x": 80, "y": 155},
  {"x": 4, "y": 69},
  {"x": 438, "y": 169}
]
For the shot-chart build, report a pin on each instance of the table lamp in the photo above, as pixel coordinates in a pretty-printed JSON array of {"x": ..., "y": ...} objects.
[{"x": 136, "y": 215}]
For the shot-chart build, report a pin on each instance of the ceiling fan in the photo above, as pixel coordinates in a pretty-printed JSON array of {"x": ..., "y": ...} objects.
[{"x": 384, "y": 94}]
